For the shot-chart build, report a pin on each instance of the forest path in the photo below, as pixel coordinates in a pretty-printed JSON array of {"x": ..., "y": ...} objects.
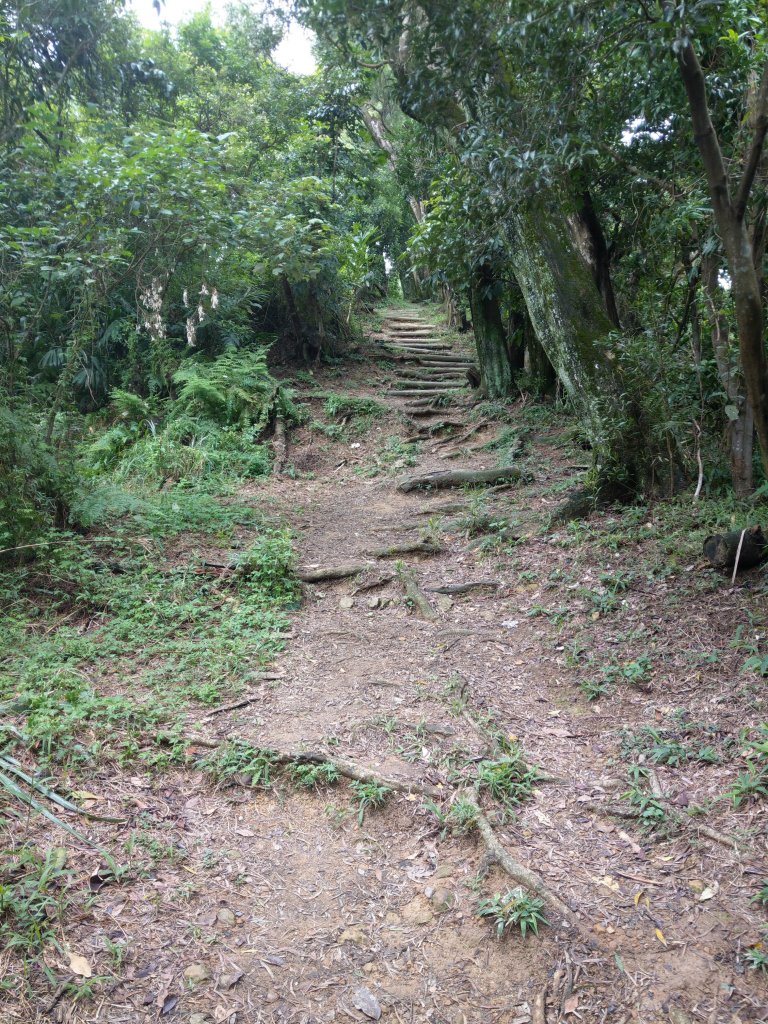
[
  {"x": 382, "y": 915},
  {"x": 292, "y": 907}
]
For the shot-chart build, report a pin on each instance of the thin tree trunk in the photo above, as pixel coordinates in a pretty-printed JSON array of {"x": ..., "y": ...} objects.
[
  {"x": 740, "y": 429},
  {"x": 732, "y": 227}
]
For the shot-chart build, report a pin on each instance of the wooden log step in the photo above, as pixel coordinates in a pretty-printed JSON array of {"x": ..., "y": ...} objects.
[
  {"x": 435, "y": 378},
  {"x": 415, "y": 393},
  {"x": 421, "y": 332},
  {"x": 407, "y": 343},
  {"x": 446, "y": 358},
  {"x": 398, "y": 319},
  {"x": 434, "y": 385}
]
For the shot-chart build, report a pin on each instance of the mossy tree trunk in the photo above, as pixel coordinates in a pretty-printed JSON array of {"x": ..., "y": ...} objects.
[
  {"x": 493, "y": 356},
  {"x": 573, "y": 327}
]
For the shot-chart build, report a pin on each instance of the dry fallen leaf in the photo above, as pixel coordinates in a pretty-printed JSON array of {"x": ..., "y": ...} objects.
[
  {"x": 571, "y": 1004},
  {"x": 607, "y": 881},
  {"x": 80, "y": 966},
  {"x": 660, "y": 936}
]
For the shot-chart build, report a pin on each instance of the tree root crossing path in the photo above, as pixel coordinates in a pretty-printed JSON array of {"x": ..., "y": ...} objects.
[{"x": 436, "y": 663}]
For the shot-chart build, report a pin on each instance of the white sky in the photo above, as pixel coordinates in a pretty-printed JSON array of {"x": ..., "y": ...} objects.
[{"x": 294, "y": 53}]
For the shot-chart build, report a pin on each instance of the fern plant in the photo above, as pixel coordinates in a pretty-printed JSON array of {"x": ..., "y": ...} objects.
[{"x": 235, "y": 389}]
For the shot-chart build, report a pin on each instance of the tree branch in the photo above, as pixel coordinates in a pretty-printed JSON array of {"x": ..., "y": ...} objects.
[
  {"x": 704, "y": 131},
  {"x": 760, "y": 122}
]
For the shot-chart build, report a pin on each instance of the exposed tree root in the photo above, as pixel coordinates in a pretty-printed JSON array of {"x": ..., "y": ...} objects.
[
  {"x": 517, "y": 872},
  {"x": 431, "y": 385},
  {"x": 416, "y": 547},
  {"x": 480, "y": 425},
  {"x": 332, "y": 572},
  {"x": 415, "y": 595},
  {"x": 463, "y": 588},
  {"x": 459, "y": 478},
  {"x": 619, "y": 811},
  {"x": 496, "y": 854},
  {"x": 414, "y": 383},
  {"x": 422, "y": 410},
  {"x": 378, "y": 580},
  {"x": 308, "y": 574},
  {"x": 347, "y": 769},
  {"x": 425, "y": 432},
  {"x": 442, "y": 392}
]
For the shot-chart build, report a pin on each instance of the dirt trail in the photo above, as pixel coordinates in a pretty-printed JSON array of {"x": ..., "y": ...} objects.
[{"x": 319, "y": 918}]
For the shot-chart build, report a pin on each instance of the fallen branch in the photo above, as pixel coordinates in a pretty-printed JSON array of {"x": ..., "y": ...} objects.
[
  {"x": 415, "y": 595},
  {"x": 459, "y": 478}
]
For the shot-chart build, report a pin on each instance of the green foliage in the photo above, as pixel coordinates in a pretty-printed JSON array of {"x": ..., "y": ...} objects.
[
  {"x": 756, "y": 956},
  {"x": 267, "y": 569},
  {"x": 340, "y": 406},
  {"x": 33, "y": 484},
  {"x": 368, "y": 796},
  {"x": 234, "y": 389},
  {"x": 516, "y": 909},
  {"x": 34, "y": 897},
  {"x": 650, "y": 810},
  {"x": 509, "y": 780},
  {"x": 312, "y": 776},
  {"x": 241, "y": 762}
]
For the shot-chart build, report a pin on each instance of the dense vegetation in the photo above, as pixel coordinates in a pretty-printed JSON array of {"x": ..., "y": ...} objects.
[{"x": 171, "y": 200}]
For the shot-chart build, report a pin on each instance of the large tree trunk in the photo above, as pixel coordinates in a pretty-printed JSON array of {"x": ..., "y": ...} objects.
[
  {"x": 574, "y": 329},
  {"x": 496, "y": 375},
  {"x": 589, "y": 236}
]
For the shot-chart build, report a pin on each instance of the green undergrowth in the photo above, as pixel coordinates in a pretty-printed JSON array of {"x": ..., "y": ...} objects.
[{"x": 111, "y": 638}]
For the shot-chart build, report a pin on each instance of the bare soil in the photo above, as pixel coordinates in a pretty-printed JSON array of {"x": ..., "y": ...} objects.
[{"x": 286, "y": 909}]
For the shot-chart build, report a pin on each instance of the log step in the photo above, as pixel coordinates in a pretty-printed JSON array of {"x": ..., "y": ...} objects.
[
  {"x": 434, "y": 385},
  {"x": 426, "y": 349},
  {"x": 411, "y": 393}
]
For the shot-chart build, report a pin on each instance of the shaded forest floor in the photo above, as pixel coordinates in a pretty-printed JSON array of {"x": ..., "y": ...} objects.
[{"x": 605, "y": 652}]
